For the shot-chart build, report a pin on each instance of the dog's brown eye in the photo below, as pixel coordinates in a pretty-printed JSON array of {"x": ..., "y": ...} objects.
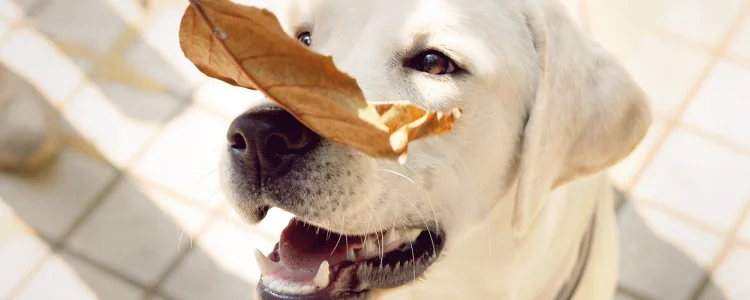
[
  {"x": 305, "y": 37},
  {"x": 433, "y": 62}
]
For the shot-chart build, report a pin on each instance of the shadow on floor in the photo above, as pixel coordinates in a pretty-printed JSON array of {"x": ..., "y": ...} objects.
[
  {"x": 669, "y": 269},
  {"x": 74, "y": 201}
]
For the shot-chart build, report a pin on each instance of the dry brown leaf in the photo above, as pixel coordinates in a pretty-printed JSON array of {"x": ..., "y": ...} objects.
[{"x": 246, "y": 46}]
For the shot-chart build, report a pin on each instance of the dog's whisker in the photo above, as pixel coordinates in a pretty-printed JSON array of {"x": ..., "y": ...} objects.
[
  {"x": 398, "y": 174},
  {"x": 426, "y": 193},
  {"x": 421, "y": 217}
]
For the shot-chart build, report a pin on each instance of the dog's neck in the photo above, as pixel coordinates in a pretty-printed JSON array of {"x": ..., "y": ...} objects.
[{"x": 488, "y": 263}]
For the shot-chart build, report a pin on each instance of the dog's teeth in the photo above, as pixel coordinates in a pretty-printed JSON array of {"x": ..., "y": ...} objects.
[
  {"x": 412, "y": 234},
  {"x": 370, "y": 246},
  {"x": 322, "y": 278},
  {"x": 265, "y": 265},
  {"x": 390, "y": 237},
  {"x": 350, "y": 256}
]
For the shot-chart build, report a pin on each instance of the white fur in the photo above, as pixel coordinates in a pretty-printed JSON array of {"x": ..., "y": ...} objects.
[{"x": 545, "y": 112}]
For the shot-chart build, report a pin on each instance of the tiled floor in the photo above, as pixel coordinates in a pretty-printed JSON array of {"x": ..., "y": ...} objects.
[{"x": 132, "y": 209}]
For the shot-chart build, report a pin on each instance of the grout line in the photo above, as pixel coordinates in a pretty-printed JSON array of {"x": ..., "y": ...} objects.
[
  {"x": 726, "y": 246},
  {"x": 680, "y": 216},
  {"x": 631, "y": 293},
  {"x": 672, "y": 123},
  {"x": 738, "y": 60},
  {"x": 106, "y": 269},
  {"x": 88, "y": 211},
  {"x": 717, "y": 139},
  {"x": 180, "y": 257},
  {"x": 29, "y": 276},
  {"x": 33, "y": 10}
]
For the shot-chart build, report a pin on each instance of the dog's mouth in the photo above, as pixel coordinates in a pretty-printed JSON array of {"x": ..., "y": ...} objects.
[{"x": 310, "y": 262}]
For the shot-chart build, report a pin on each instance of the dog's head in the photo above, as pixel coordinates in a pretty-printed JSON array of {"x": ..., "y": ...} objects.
[{"x": 542, "y": 105}]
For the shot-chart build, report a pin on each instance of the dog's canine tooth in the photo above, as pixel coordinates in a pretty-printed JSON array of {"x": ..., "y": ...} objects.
[
  {"x": 265, "y": 265},
  {"x": 370, "y": 246},
  {"x": 390, "y": 237},
  {"x": 411, "y": 234},
  {"x": 322, "y": 278},
  {"x": 350, "y": 256}
]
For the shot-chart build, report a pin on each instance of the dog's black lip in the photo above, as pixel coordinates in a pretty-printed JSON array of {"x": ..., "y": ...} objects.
[{"x": 430, "y": 247}]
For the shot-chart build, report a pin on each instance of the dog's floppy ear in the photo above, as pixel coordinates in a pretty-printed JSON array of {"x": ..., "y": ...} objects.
[{"x": 588, "y": 112}]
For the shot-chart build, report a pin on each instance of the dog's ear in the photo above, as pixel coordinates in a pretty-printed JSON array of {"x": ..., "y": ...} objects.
[{"x": 588, "y": 112}]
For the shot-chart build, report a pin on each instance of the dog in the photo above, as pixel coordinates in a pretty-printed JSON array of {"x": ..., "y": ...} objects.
[{"x": 513, "y": 203}]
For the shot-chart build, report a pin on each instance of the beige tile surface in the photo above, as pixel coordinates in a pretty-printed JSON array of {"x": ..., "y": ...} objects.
[
  {"x": 741, "y": 44},
  {"x": 50, "y": 202},
  {"x": 222, "y": 266},
  {"x": 137, "y": 230},
  {"x": 118, "y": 129},
  {"x": 722, "y": 105},
  {"x": 744, "y": 231},
  {"x": 732, "y": 277},
  {"x": 661, "y": 256},
  {"x": 31, "y": 55},
  {"x": 666, "y": 71},
  {"x": 67, "y": 278},
  {"x": 184, "y": 157},
  {"x": 20, "y": 250},
  {"x": 702, "y": 180},
  {"x": 704, "y": 21}
]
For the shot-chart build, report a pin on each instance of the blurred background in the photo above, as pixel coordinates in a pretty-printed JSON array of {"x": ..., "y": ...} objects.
[{"x": 130, "y": 208}]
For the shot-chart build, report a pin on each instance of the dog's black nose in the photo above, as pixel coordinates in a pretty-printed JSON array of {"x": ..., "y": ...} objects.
[{"x": 269, "y": 141}]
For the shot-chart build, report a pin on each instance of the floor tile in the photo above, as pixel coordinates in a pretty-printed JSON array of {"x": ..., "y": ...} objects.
[
  {"x": 184, "y": 157},
  {"x": 20, "y": 250},
  {"x": 51, "y": 201},
  {"x": 66, "y": 277},
  {"x": 138, "y": 230},
  {"x": 741, "y": 44},
  {"x": 221, "y": 266},
  {"x": 86, "y": 38},
  {"x": 660, "y": 256},
  {"x": 623, "y": 172},
  {"x": 227, "y": 99},
  {"x": 705, "y": 21},
  {"x": 622, "y": 26},
  {"x": 31, "y": 55},
  {"x": 744, "y": 231},
  {"x": 31, "y": 6},
  {"x": 667, "y": 72},
  {"x": 10, "y": 11},
  {"x": 118, "y": 132},
  {"x": 160, "y": 34},
  {"x": 731, "y": 279},
  {"x": 621, "y": 296},
  {"x": 722, "y": 104},
  {"x": 702, "y": 180}
]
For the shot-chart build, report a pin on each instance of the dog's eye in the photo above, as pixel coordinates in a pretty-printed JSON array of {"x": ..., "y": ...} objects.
[
  {"x": 432, "y": 62},
  {"x": 305, "y": 37}
]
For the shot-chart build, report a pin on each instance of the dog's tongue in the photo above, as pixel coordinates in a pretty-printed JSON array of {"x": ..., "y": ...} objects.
[{"x": 302, "y": 248}]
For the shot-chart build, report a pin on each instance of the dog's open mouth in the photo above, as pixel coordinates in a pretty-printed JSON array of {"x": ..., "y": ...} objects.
[{"x": 309, "y": 262}]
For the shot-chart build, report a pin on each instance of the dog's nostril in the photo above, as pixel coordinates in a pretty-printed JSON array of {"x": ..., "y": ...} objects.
[
  {"x": 277, "y": 144},
  {"x": 237, "y": 142}
]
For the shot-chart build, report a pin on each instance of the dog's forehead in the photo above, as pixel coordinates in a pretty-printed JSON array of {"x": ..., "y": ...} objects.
[{"x": 468, "y": 28}]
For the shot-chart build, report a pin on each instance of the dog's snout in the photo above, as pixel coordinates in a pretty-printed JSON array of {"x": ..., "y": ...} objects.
[{"x": 268, "y": 141}]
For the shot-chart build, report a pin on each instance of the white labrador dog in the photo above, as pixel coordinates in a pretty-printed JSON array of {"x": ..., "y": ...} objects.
[{"x": 511, "y": 204}]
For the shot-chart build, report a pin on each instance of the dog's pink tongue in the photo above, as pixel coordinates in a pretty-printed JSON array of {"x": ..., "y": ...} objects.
[{"x": 302, "y": 248}]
